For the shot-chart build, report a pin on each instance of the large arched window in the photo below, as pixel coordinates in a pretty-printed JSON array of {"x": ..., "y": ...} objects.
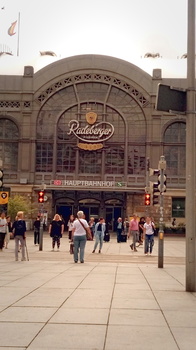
[
  {"x": 9, "y": 144},
  {"x": 175, "y": 149},
  {"x": 60, "y": 151}
]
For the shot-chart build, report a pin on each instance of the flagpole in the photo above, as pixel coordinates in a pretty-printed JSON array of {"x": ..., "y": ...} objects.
[{"x": 18, "y": 41}]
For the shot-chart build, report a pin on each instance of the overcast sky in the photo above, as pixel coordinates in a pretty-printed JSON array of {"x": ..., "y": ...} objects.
[{"x": 124, "y": 29}]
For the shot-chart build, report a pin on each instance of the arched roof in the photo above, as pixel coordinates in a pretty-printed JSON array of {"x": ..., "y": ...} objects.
[{"x": 107, "y": 64}]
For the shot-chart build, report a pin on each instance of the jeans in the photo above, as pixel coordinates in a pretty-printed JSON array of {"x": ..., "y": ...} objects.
[
  {"x": 98, "y": 240},
  {"x": 135, "y": 235},
  {"x": 119, "y": 232},
  {"x": 149, "y": 240},
  {"x": 2, "y": 237},
  {"x": 79, "y": 245},
  {"x": 22, "y": 242},
  {"x": 36, "y": 237}
]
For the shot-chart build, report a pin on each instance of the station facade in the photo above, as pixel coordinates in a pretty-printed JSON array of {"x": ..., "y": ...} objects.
[{"x": 86, "y": 129}]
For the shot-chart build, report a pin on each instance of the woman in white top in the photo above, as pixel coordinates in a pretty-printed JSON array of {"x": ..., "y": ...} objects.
[
  {"x": 70, "y": 226},
  {"x": 149, "y": 235},
  {"x": 79, "y": 236}
]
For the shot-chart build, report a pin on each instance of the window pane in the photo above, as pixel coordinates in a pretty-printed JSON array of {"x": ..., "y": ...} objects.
[
  {"x": 89, "y": 162},
  {"x": 9, "y": 144},
  {"x": 175, "y": 155},
  {"x": 114, "y": 160},
  {"x": 44, "y": 157},
  {"x": 136, "y": 160},
  {"x": 178, "y": 207},
  {"x": 66, "y": 158}
]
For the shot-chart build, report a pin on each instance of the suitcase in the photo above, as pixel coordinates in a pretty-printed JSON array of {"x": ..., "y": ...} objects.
[
  {"x": 106, "y": 237},
  {"x": 123, "y": 238}
]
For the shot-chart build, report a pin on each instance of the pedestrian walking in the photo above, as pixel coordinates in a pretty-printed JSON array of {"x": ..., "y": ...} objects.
[
  {"x": 80, "y": 227},
  {"x": 70, "y": 226},
  {"x": 92, "y": 226},
  {"x": 99, "y": 234},
  {"x": 3, "y": 230},
  {"x": 119, "y": 230},
  {"x": 126, "y": 226},
  {"x": 36, "y": 226},
  {"x": 9, "y": 232},
  {"x": 149, "y": 235},
  {"x": 56, "y": 229},
  {"x": 134, "y": 231},
  {"x": 141, "y": 230},
  {"x": 19, "y": 231}
]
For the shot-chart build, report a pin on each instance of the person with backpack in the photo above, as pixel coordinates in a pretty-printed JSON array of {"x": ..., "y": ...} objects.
[
  {"x": 19, "y": 231},
  {"x": 56, "y": 229}
]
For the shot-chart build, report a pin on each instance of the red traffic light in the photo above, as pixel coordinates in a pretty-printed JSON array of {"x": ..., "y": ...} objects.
[
  {"x": 40, "y": 196},
  {"x": 147, "y": 199}
]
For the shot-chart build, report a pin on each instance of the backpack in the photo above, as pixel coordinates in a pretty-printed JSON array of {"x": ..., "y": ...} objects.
[{"x": 20, "y": 227}]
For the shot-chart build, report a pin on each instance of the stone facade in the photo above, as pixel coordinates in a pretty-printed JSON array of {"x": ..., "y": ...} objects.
[{"x": 36, "y": 103}]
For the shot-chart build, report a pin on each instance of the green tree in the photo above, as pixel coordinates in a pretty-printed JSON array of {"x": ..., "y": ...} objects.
[{"x": 17, "y": 203}]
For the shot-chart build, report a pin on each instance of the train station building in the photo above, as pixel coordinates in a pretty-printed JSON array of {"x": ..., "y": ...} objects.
[{"x": 86, "y": 128}]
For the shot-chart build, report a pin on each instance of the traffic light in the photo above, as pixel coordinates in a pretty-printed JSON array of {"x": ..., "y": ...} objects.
[
  {"x": 1, "y": 178},
  {"x": 155, "y": 189},
  {"x": 40, "y": 196},
  {"x": 162, "y": 188},
  {"x": 147, "y": 199}
]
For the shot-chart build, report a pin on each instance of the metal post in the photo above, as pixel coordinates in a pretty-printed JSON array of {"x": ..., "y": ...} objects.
[
  {"x": 41, "y": 234},
  {"x": 190, "y": 154},
  {"x": 162, "y": 167}
]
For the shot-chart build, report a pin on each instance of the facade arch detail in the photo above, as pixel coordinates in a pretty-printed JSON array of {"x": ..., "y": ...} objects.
[{"x": 108, "y": 79}]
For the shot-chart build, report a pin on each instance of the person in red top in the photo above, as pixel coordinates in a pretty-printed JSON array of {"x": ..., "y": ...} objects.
[{"x": 134, "y": 231}]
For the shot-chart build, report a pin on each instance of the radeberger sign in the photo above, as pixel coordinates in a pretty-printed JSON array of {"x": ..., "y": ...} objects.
[{"x": 93, "y": 134}]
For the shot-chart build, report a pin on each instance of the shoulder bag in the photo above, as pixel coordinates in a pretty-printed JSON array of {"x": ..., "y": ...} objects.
[{"x": 88, "y": 233}]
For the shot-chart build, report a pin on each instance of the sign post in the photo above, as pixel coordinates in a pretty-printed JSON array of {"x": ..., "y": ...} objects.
[
  {"x": 162, "y": 167},
  {"x": 190, "y": 155}
]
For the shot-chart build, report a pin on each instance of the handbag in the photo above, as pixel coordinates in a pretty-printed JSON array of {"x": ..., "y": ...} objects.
[
  {"x": 88, "y": 233},
  {"x": 71, "y": 248}
]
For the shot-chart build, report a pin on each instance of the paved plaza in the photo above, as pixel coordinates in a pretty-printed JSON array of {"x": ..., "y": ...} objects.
[{"x": 116, "y": 300}]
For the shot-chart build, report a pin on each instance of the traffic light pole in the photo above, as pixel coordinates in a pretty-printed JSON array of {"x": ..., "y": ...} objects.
[
  {"x": 41, "y": 232},
  {"x": 162, "y": 167},
  {"x": 190, "y": 155}
]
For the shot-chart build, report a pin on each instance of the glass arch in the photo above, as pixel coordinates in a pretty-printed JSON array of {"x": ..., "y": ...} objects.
[
  {"x": 175, "y": 148},
  {"x": 9, "y": 136}
]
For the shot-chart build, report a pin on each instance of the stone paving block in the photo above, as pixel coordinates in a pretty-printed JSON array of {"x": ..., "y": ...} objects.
[
  {"x": 88, "y": 298},
  {"x": 18, "y": 334},
  {"x": 133, "y": 317},
  {"x": 70, "y": 337},
  {"x": 185, "y": 337},
  {"x": 175, "y": 301},
  {"x": 80, "y": 316},
  {"x": 137, "y": 303},
  {"x": 27, "y": 314},
  {"x": 9, "y": 295},
  {"x": 51, "y": 297},
  {"x": 137, "y": 338},
  {"x": 179, "y": 318}
]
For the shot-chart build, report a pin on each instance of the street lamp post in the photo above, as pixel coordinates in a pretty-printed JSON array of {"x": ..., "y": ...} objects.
[{"x": 190, "y": 154}]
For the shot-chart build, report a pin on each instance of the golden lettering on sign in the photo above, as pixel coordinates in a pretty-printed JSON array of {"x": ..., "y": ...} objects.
[
  {"x": 91, "y": 135},
  {"x": 90, "y": 146}
]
